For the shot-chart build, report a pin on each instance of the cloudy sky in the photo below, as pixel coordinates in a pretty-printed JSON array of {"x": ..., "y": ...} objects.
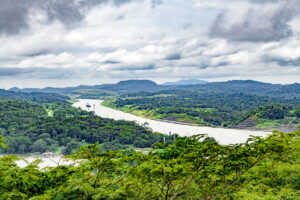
[{"x": 72, "y": 42}]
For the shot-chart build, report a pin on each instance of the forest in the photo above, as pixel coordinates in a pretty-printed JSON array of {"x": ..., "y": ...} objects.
[
  {"x": 210, "y": 108},
  {"x": 108, "y": 166},
  {"x": 29, "y": 127},
  {"x": 38, "y": 97},
  {"x": 129, "y": 87},
  {"x": 190, "y": 168}
]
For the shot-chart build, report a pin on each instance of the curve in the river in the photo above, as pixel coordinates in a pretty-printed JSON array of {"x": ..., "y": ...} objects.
[{"x": 222, "y": 135}]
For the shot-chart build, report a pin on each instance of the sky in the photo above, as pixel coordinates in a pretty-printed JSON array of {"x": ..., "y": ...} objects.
[{"x": 72, "y": 42}]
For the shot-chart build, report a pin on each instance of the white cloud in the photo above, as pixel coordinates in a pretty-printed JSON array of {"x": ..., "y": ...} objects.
[{"x": 134, "y": 39}]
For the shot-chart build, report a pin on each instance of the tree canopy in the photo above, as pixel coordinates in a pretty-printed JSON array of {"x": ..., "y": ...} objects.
[
  {"x": 261, "y": 168},
  {"x": 29, "y": 128}
]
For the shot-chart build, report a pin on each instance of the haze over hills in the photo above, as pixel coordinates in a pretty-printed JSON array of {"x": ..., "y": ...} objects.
[
  {"x": 122, "y": 87},
  {"x": 134, "y": 86},
  {"x": 186, "y": 82}
]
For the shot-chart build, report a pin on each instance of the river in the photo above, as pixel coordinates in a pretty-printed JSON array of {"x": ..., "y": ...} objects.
[
  {"x": 222, "y": 135},
  {"x": 51, "y": 161},
  {"x": 48, "y": 161}
]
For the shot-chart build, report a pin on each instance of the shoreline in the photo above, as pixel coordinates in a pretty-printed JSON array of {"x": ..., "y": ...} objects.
[
  {"x": 222, "y": 135},
  {"x": 283, "y": 128}
]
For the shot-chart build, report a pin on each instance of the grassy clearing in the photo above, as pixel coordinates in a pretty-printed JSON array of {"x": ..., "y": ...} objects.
[
  {"x": 73, "y": 97},
  {"x": 108, "y": 103},
  {"x": 58, "y": 151},
  {"x": 50, "y": 112},
  {"x": 71, "y": 101},
  {"x": 267, "y": 123}
]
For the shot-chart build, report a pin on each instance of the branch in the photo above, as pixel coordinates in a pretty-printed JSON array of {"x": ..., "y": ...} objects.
[{"x": 187, "y": 181}]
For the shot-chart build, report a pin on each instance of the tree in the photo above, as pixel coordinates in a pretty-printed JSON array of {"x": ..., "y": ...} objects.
[
  {"x": 274, "y": 111},
  {"x": 204, "y": 170},
  {"x": 261, "y": 168},
  {"x": 2, "y": 143},
  {"x": 297, "y": 112},
  {"x": 18, "y": 144},
  {"x": 70, "y": 147},
  {"x": 209, "y": 139},
  {"x": 39, "y": 146}
]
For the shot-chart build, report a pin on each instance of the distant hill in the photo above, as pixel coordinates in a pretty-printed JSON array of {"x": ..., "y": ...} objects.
[
  {"x": 65, "y": 90},
  {"x": 292, "y": 88},
  {"x": 38, "y": 97},
  {"x": 186, "y": 82},
  {"x": 122, "y": 87},
  {"x": 129, "y": 83},
  {"x": 135, "y": 86},
  {"x": 132, "y": 86},
  {"x": 244, "y": 86}
]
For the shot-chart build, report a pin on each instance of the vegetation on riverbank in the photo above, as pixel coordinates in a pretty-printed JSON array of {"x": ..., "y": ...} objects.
[
  {"x": 210, "y": 108},
  {"x": 188, "y": 169},
  {"x": 29, "y": 127}
]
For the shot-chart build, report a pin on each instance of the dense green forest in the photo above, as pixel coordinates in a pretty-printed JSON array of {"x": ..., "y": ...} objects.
[
  {"x": 134, "y": 86},
  {"x": 210, "y": 108},
  {"x": 233, "y": 104},
  {"x": 38, "y": 97},
  {"x": 29, "y": 127},
  {"x": 187, "y": 169}
]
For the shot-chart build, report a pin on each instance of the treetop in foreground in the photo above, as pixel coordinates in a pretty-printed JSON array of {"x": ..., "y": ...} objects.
[{"x": 261, "y": 168}]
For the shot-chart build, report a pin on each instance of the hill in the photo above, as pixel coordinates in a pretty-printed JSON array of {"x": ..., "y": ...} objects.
[
  {"x": 136, "y": 86},
  {"x": 29, "y": 127},
  {"x": 133, "y": 86},
  {"x": 122, "y": 87},
  {"x": 38, "y": 97},
  {"x": 186, "y": 82},
  {"x": 244, "y": 86}
]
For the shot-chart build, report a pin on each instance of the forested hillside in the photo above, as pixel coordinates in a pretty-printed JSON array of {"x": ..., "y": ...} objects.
[
  {"x": 135, "y": 86},
  {"x": 29, "y": 127},
  {"x": 248, "y": 87},
  {"x": 188, "y": 169},
  {"x": 212, "y": 108},
  {"x": 38, "y": 97}
]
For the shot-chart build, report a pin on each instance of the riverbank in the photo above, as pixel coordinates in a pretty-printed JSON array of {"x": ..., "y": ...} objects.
[{"x": 222, "y": 135}]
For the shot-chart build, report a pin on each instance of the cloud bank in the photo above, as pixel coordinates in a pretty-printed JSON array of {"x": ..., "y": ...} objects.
[
  {"x": 71, "y": 42},
  {"x": 257, "y": 23}
]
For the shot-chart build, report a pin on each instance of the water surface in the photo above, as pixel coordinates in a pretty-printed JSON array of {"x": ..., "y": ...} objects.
[{"x": 222, "y": 135}]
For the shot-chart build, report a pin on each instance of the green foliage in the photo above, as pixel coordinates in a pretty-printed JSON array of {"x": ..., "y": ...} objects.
[
  {"x": 28, "y": 128},
  {"x": 208, "y": 108},
  {"x": 188, "y": 169},
  {"x": 273, "y": 111},
  {"x": 38, "y": 97},
  {"x": 70, "y": 147},
  {"x": 50, "y": 112},
  {"x": 2, "y": 143},
  {"x": 94, "y": 94}
]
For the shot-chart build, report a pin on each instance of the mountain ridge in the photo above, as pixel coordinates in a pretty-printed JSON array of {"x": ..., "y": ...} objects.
[
  {"x": 186, "y": 82},
  {"x": 135, "y": 86}
]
